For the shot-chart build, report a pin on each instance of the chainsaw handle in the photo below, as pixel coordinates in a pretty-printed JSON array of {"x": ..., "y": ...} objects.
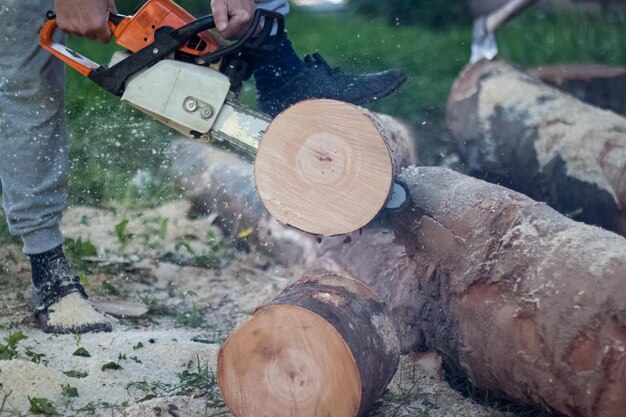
[
  {"x": 75, "y": 60},
  {"x": 254, "y": 38},
  {"x": 72, "y": 58}
]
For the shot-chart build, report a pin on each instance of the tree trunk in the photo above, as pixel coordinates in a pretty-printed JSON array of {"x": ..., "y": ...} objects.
[
  {"x": 325, "y": 346},
  {"x": 318, "y": 158},
  {"x": 527, "y": 302},
  {"x": 513, "y": 130},
  {"x": 598, "y": 85}
]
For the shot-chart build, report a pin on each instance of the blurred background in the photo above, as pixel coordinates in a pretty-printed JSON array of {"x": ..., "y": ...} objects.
[{"x": 117, "y": 153}]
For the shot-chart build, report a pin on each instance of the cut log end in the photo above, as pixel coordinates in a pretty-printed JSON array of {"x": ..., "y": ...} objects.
[
  {"x": 316, "y": 160},
  {"x": 326, "y": 346},
  {"x": 289, "y": 361}
]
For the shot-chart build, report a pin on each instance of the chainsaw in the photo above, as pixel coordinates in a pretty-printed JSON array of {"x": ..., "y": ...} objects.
[{"x": 179, "y": 72}]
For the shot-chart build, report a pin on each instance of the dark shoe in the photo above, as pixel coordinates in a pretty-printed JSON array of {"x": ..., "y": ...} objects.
[
  {"x": 60, "y": 303},
  {"x": 319, "y": 80},
  {"x": 72, "y": 313}
]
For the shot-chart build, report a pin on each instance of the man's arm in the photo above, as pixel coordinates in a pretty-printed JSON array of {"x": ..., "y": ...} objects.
[
  {"x": 87, "y": 18},
  {"x": 232, "y": 17}
]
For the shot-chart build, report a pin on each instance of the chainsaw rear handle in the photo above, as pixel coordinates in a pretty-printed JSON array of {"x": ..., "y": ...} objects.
[
  {"x": 255, "y": 41},
  {"x": 72, "y": 58}
]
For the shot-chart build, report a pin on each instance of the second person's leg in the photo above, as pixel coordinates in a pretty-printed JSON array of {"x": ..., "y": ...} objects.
[{"x": 283, "y": 79}]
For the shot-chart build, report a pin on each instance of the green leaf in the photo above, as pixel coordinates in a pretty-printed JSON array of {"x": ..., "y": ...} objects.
[
  {"x": 81, "y": 351},
  {"x": 9, "y": 351},
  {"x": 111, "y": 365},
  {"x": 79, "y": 248},
  {"x": 42, "y": 406},
  {"x": 76, "y": 374},
  {"x": 110, "y": 288},
  {"x": 14, "y": 339},
  {"x": 84, "y": 280},
  {"x": 69, "y": 391},
  {"x": 163, "y": 229},
  {"x": 139, "y": 345},
  {"x": 34, "y": 356},
  {"x": 122, "y": 235}
]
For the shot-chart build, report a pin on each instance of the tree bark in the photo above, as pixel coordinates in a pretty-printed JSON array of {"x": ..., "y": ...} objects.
[
  {"x": 319, "y": 157},
  {"x": 325, "y": 346},
  {"x": 598, "y": 85},
  {"x": 528, "y": 303},
  {"x": 513, "y": 130}
]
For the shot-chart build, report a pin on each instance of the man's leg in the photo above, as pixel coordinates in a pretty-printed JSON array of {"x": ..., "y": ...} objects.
[
  {"x": 283, "y": 79},
  {"x": 34, "y": 164}
]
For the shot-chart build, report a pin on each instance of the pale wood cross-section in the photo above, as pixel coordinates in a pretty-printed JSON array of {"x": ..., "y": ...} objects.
[
  {"x": 324, "y": 167},
  {"x": 326, "y": 346},
  {"x": 289, "y": 361}
]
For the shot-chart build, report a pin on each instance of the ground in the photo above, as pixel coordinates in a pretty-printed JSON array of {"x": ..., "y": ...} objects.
[{"x": 176, "y": 293}]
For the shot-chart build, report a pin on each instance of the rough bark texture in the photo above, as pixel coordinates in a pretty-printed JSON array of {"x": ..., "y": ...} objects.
[
  {"x": 526, "y": 301},
  {"x": 598, "y": 85},
  {"x": 359, "y": 317},
  {"x": 483, "y": 7},
  {"x": 514, "y": 130}
]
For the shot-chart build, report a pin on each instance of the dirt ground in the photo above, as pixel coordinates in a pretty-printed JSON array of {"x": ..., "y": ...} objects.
[{"x": 175, "y": 289}]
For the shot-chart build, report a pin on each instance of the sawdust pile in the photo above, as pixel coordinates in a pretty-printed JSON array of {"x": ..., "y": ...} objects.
[{"x": 160, "y": 360}]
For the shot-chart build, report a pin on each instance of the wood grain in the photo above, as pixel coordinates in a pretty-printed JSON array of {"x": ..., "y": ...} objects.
[{"x": 324, "y": 167}]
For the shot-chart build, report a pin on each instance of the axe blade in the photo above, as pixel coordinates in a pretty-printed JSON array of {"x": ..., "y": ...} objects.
[{"x": 484, "y": 45}]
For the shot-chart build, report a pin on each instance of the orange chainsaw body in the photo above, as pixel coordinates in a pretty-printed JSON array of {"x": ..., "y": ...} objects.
[{"x": 134, "y": 33}]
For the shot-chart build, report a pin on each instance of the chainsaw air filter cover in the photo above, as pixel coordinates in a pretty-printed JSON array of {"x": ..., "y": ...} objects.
[{"x": 184, "y": 96}]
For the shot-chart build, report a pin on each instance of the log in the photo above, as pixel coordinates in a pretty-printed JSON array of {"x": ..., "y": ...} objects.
[
  {"x": 526, "y": 302},
  {"x": 516, "y": 131},
  {"x": 217, "y": 181},
  {"x": 325, "y": 346},
  {"x": 599, "y": 85},
  {"x": 318, "y": 158}
]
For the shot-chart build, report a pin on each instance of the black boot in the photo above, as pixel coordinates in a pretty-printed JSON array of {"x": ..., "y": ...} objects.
[
  {"x": 60, "y": 303},
  {"x": 282, "y": 80}
]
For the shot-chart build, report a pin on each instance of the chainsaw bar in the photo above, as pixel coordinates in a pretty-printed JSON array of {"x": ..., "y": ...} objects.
[{"x": 239, "y": 128}]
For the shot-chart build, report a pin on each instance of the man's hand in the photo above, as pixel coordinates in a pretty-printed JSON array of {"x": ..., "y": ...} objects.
[
  {"x": 87, "y": 18},
  {"x": 232, "y": 17}
]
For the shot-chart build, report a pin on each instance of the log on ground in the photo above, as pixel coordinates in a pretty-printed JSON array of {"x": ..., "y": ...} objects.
[
  {"x": 528, "y": 303},
  {"x": 513, "y": 130},
  {"x": 325, "y": 346},
  {"x": 599, "y": 85}
]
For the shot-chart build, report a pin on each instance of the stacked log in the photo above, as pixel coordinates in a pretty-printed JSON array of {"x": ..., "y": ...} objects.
[
  {"x": 527, "y": 302},
  {"x": 513, "y": 130},
  {"x": 326, "y": 346},
  {"x": 599, "y": 85}
]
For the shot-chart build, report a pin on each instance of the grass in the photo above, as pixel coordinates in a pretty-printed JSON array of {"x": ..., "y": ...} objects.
[
  {"x": 200, "y": 381},
  {"x": 118, "y": 154},
  {"x": 113, "y": 147}
]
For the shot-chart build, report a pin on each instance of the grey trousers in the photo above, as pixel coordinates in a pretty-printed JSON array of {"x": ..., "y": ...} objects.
[
  {"x": 33, "y": 143},
  {"x": 33, "y": 138}
]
